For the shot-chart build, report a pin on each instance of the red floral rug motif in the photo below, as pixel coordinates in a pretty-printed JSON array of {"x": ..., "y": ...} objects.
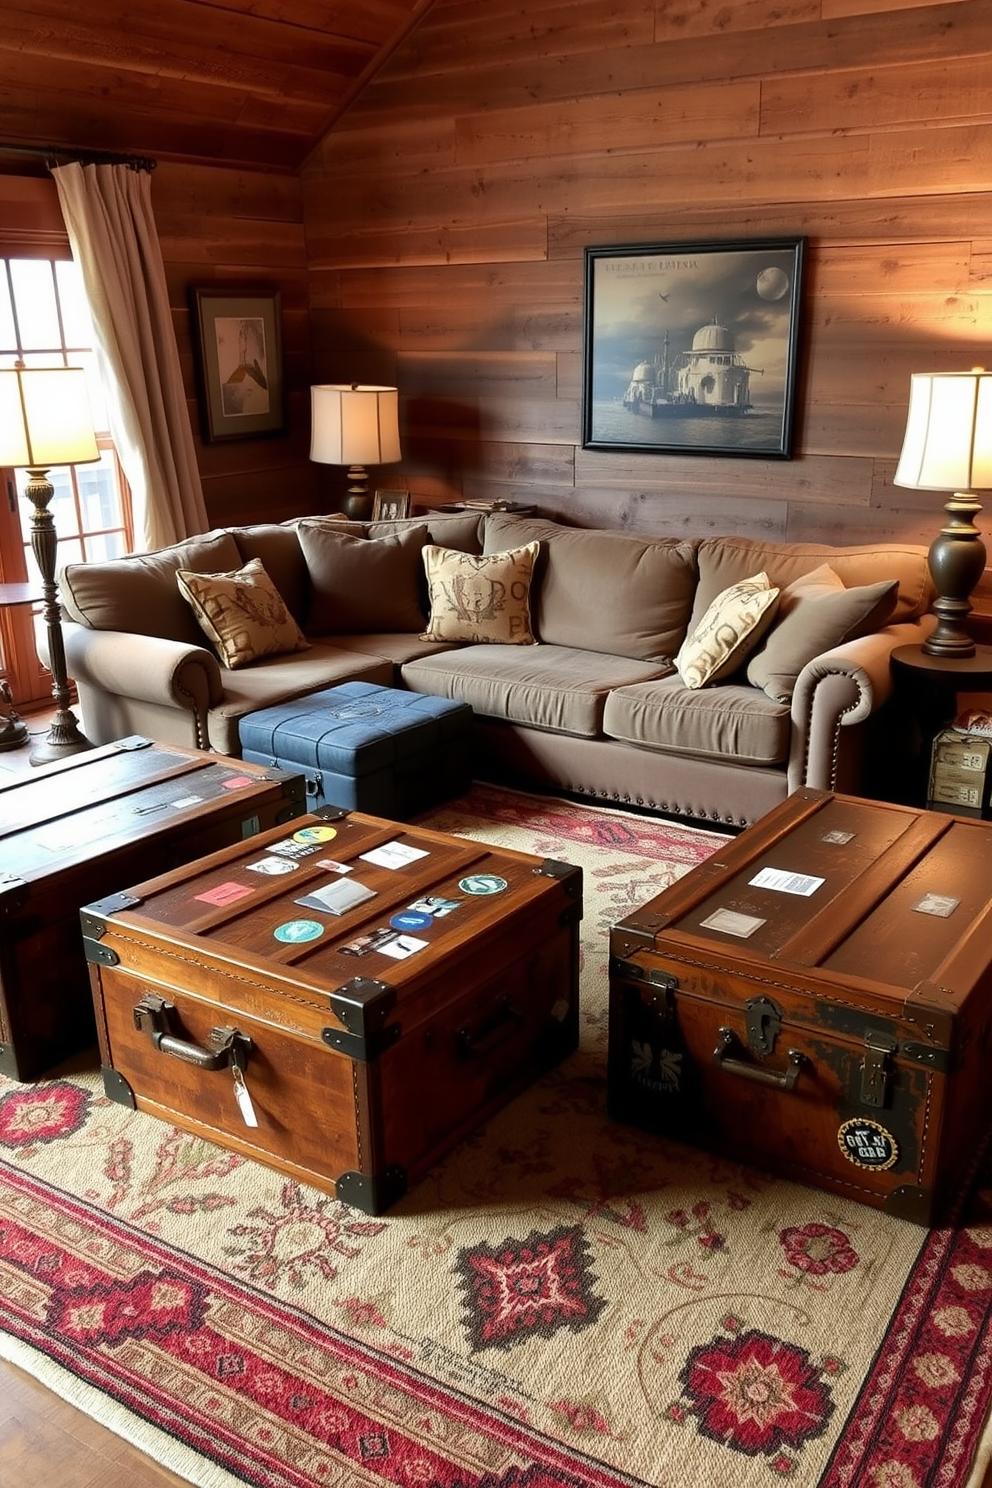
[{"x": 538, "y": 1285}]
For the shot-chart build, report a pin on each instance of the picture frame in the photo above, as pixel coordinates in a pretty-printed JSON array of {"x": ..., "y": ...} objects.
[
  {"x": 692, "y": 347},
  {"x": 390, "y": 506},
  {"x": 237, "y": 341}
]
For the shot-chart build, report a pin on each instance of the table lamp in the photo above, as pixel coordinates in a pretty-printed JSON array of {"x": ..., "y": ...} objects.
[
  {"x": 44, "y": 421},
  {"x": 948, "y": 447},
  {"x": 355, "y": 425}
]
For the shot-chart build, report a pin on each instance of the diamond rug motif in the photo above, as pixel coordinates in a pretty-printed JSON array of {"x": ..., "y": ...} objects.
[{"x": 564, "y": 1302}]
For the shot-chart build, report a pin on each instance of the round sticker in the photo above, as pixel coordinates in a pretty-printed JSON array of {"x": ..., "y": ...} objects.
[
  {"x": 483, "y": 883},
  {"x": 294, "y": 932},
  {"x": 315, "y": 834},
  {"x": 411, "y": 919},
  {"x": 867, "y": 1144}
]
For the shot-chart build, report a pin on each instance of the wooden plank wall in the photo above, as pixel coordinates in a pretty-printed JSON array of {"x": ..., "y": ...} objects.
[
  {"x": 220, "y": 226},
  {"x": 447, "y": 212}
]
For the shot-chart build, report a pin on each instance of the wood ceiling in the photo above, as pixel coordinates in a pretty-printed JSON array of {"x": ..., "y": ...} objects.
[{"x": 249, "y": 83}]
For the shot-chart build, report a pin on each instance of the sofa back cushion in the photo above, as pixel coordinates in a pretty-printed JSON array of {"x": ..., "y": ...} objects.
[
  {"x": 611, "y": 592},
  {"x": 362, "y": 583},
  {"x": 140, "y": 594},
  {"x": 459, "y": 531},
  {"x": 277, "y": 547},
  {"x": 727, "y": 560}
]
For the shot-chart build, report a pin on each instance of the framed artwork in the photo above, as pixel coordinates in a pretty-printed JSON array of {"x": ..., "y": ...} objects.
[
  {"x": 237, "y": 338},
  {"x": 390, "y": 506},
  {"x": 692, "y": 347}
]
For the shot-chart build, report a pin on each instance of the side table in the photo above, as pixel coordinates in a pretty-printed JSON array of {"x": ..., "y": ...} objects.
[
  {"x": 928, "y": 687},
  {"x": 13, "y": 732}
]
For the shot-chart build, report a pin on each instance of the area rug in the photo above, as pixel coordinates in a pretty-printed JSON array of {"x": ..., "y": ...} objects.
[{"x": 563, "y": 1303}]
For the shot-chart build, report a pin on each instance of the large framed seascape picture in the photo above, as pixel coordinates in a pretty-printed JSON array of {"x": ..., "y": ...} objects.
[
  {"x": 692, "y": 347},
  {"x": 237, "y": 337}
]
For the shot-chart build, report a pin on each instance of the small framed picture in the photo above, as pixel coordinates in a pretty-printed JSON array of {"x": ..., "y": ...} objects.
[
  {"x": 390, "y": 506},
  {"x": 238, "y": 349}
]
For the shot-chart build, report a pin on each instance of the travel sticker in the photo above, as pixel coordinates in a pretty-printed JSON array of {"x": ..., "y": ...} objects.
[
  {"x": 411, "y": 919},
  {"x": 315, "y": 834},
  {"x": 867, "y": 1144},
  {"x": 289, "y": 848},
  {"x": 394, "y": 855},
  {"x": 272, "y": 866},
  {"x": 296, "y": 932},
  {"x": 225, "y": 893},
  {"x": 483, "y": 883},
  {"x": 434, "y": 905},
  {"x": 236, "y": 782}
]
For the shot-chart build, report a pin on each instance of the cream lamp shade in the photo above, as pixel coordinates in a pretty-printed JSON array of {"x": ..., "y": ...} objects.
[
  {"x": 44, "y": 421},
  {"x": 45, "y": 418},
  {"x": 355, "y": 425},
  {"x": 948, "y": 447}
]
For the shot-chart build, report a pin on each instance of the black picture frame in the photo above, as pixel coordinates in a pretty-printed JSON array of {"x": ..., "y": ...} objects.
[
  {"x": 237, "y": 340},
  {"x": 692, "y": 347}
]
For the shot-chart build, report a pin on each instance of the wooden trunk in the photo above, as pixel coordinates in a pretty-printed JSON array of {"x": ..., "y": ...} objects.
[
  {"x": 89, "y": 825},
  {"x": 349, "y": 1050},
  {"x": 816, "y": 999}
]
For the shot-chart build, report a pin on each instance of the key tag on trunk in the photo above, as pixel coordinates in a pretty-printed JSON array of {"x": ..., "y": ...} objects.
[{"x": 243, "y": 1098}]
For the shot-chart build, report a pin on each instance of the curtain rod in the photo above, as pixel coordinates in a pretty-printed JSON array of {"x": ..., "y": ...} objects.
[{"x": 63, "y": 154}]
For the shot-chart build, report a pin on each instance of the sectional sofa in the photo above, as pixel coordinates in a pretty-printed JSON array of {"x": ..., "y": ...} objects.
[{"x": 704, "y": 678}]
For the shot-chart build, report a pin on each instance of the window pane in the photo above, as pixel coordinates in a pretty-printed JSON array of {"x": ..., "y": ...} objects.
[
  {"x": 8, "y": 340},
  {"x": 34, "y": 296},
  {"x": 76, "y": 323},
  {"x": 98, "y": 549},
  {"x": 98, "y": 495}
]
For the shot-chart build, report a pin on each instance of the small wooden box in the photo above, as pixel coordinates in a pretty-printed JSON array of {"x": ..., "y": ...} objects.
[
  {"x": 352, "y": 1049},
  {"x": 816, "y": 998},
  {"x": 76, "y": 830}
]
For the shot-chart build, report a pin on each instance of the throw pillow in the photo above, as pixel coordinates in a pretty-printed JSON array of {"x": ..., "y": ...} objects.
[
  {"x": 242, "y": 613},
  {"x": 728, "y": 632},
  {"x": 815, "y": 614},
  {"x": 362, "y": 583},
  {"x": 483, "y": 597}
]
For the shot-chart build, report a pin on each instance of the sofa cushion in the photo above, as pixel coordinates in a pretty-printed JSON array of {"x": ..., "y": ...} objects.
[
  {"x": 725, "y": 560},
  {"x": 815, "y": 614},
  {"x": 242, "y": 614},
  {"x": 480, "y": 599},
  {"x": 727, "y": 633},
  {"x": 362, "y": 583},
  {"x": 736, "y": 723},
  {"x": 604, "y": 591},
  {"x": 459, "y": 530},
  {"x": 278, "y": 547},
  {"x": 547, "y": 687},
  {"x": 139, "y": 593}
]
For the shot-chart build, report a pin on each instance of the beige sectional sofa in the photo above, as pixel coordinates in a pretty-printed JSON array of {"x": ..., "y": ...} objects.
[{"x": 590, "y": 701}]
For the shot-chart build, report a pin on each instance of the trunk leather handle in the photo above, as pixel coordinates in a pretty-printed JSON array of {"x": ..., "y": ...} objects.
[
  {"x": 501, "y": 1024},
  {"x": 780, "y": 1079},
  {"x": 228, "y": 1049}
]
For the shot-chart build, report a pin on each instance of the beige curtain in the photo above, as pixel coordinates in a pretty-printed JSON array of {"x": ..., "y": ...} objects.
[{"x": 108, "y": 215}]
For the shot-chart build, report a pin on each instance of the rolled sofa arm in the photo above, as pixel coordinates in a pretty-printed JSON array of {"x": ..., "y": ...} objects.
[
  {"x": 838, "y": 689},
  {"x": 147, "y": 668}
]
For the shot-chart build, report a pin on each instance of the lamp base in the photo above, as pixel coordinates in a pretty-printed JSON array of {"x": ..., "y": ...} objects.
[
  {"x": 64, "y": 738},
  {"x": 357, "y": 505},
  {"x": 957, "y": 562}
]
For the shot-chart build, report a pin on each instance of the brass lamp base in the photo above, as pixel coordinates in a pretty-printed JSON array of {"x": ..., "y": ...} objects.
[{"x": 957, "y": 562}]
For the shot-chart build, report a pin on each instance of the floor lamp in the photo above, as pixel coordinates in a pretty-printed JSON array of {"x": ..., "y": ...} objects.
[
  {"x": 355, "y": 425},
  {"x": 44, "y": 421},
  {"x": 948, "y": 447}
]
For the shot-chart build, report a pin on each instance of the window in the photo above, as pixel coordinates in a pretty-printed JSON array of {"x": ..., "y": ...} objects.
[{"x": 44, "y": 319}]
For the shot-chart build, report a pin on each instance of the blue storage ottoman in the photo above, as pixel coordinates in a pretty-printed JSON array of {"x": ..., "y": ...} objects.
[{"x": 375, "y": 749}]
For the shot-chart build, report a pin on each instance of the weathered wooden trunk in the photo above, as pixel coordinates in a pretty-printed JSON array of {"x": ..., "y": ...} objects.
[
  {"x": 79, "y": 829},
  {"x": 350, "y": 1049},
  {"x": 816, "y": 998}
]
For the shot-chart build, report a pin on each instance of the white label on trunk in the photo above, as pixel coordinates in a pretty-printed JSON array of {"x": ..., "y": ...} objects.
[{"x": 784, "y": 882}]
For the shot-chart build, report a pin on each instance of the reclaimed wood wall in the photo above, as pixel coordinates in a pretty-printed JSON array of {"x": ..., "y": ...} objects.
[
  {"x": 221, "y": 226},
  {"x": 447, "y": 212}
]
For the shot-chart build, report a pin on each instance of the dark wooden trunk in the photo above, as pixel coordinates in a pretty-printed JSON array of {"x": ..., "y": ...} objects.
[
  {"x": 80, "y": 829},
  {"x": 361, "y": 1068},
  {"x": 838, "y": 1036}
]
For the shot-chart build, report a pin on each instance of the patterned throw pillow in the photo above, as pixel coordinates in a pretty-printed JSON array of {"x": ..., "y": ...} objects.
[
  {"x": 242, "y": 613},
  {"x": 483, "y": 597},
  {"x": 728, "y": 632}
]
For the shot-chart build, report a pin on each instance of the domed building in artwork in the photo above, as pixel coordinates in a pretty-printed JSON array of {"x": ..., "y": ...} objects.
[{"x": 712, "y": 373}]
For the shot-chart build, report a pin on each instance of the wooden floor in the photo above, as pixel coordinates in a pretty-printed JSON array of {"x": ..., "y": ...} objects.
[{"x": 42, "y": 1439}]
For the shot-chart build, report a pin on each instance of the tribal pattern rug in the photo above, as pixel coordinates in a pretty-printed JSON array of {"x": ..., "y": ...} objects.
[{"x": 562, "y": 1303}]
